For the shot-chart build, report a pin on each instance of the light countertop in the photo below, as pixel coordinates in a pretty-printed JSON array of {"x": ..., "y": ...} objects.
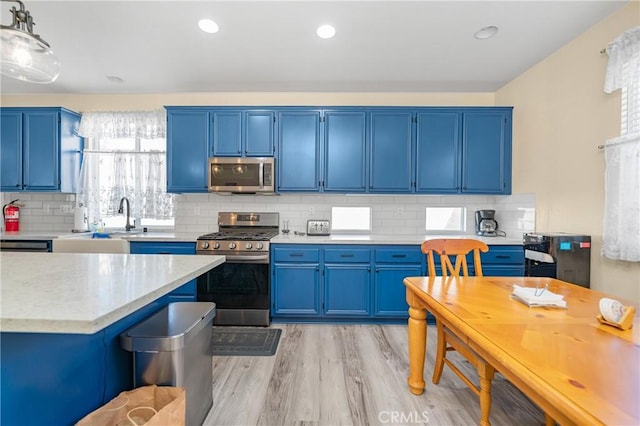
[
  {"x": 84, "y": 293},
  {"x": 384, "y": 239},
  {"x": 282, "y": 239}
]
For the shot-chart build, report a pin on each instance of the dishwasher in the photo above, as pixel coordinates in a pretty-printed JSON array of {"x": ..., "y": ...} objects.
[{"x": 25, "y": 245}]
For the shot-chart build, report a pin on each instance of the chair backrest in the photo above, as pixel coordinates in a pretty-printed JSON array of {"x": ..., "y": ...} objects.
[{"x": 458, "y": 247}]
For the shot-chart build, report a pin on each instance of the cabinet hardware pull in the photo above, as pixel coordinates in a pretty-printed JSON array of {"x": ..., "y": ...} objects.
[
  {"x": 296, "y": 255},
  {"x": 399, "y": 255},
  {"x": 502, "y": 256},
  {"x": 346, "y": 255}
]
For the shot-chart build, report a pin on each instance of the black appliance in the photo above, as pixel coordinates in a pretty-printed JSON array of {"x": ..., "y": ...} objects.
[
  {"x": 566, "y": 257},
  {"x": 25, "y": 245},
  {"x": 486, "y": 224},
  {"x": 240, "y": 287}
]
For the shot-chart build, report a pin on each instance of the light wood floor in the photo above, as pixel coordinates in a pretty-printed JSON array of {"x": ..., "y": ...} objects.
[{"x": 350, "y": 375}]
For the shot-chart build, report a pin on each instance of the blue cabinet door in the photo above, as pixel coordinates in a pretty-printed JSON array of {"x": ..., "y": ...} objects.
[
  {"x": 345, "y": 159},
  {"x": 390, "y": 298},
  {"x": 347, "y": 290},
  {"x": 486, "y": 150},
  {"x": 391, "y": 152},
  {"x": 226, "y": 136},
  {"x": 298, "y": 151},
  {"x": 259, "y": 133},
  {"x": 187, "y": 150},
  {"x": 296, "y": 290},
  {"x": 438, "y": 152},
  {"x": 41, "y": 151},
  {"x": 10, "y": 151}
]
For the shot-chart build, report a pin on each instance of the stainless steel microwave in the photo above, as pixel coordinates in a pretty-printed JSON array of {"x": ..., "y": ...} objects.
[{"x": 241, "y": 175}]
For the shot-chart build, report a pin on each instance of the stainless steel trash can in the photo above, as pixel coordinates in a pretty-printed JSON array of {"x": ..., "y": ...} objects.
[{"x": 173, "y": 348}]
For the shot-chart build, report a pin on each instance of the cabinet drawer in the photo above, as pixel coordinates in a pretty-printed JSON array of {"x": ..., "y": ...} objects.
[
  {"x": 398, "y": 255},
  {"x": 503, "y": 255},
  {"x": 162, "y": 248},
  {"x": 347, "y": 255},
  {"x": 296, "y": 254}
]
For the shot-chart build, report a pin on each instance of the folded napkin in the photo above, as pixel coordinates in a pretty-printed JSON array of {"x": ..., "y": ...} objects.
[{"x": 538, "y": 297}]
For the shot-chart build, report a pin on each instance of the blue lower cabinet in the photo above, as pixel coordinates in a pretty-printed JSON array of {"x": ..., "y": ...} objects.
[
  {"x": 56, "y": 379},
  {"x": 347, "y": 290},
  {"x": 185, "y": 293},
  {"x": 296, "y": 290},
  {"x": 390, "y": 298},
  {"x": 338, "y": 283}
]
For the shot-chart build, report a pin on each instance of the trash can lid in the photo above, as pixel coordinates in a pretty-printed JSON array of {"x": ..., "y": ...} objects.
[{"x": 166, "y": 329}]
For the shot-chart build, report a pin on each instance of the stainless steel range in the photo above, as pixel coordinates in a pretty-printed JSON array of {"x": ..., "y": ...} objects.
[{"x": 240, "y": 287}]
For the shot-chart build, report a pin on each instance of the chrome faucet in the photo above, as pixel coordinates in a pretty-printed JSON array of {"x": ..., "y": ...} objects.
[{"x": 128, "y": 226}]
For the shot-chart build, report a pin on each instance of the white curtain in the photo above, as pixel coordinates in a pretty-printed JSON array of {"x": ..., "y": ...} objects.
[
  {"x": 107, "y": 177},
  {"x": 621, "y": 228},
  {"x": 123, "y": 124}
]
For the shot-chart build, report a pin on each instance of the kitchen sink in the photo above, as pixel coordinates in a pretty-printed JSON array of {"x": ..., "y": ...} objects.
[{"x": 86, "y": 244}]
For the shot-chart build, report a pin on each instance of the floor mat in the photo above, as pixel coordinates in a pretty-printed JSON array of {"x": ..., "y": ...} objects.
[{"x": 245, "y": 341}]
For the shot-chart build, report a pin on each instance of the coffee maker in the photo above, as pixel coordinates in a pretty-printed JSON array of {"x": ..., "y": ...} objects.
[{"x": 486, "y": 224}]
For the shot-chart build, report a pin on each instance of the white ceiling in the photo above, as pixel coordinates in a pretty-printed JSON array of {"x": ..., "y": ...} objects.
[{"x": 380, "y": 46}]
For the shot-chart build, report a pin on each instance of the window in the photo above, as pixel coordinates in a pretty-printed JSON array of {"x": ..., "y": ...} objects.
[
  {"x": 450, "y": 219},
  {"x": 125, "y": 158},
  {"x": 620, "y": 235},
  {"x": 351, "y": 219}
]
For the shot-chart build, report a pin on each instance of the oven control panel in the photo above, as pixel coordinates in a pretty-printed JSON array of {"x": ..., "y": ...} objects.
[
  {"x": 236, "y": 246},
  {"x": 318, "y": 227}
]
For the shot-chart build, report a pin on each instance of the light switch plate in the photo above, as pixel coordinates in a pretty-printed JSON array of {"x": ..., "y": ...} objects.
[{"x": 318, "y": 227}]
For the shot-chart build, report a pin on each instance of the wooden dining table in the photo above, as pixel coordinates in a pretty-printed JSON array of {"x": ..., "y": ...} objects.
[{"x": 574, "y": 368}]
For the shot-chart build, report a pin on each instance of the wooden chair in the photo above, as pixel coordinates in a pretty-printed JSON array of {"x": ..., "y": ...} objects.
[{"x": 447, "y": 341}]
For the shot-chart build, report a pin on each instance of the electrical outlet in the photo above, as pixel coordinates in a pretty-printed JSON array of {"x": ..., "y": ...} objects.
[
  {"x": 399, "y": 211},
  {"x": 312, "y": 210}
]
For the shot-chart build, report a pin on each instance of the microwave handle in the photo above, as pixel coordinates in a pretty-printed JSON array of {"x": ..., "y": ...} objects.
[{"x": 261, "y": 178}]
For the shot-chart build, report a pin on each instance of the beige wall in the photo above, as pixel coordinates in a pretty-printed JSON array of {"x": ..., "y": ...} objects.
[
  {"x": 103, "y": 102},
  {"x": 561, "y": 115}
]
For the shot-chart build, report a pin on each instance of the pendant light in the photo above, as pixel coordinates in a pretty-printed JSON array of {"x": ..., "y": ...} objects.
[{"x": 25, "y": 55}]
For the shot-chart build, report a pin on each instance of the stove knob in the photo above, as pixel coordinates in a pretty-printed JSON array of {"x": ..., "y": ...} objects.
[
  {"x": 232, "y": 245},
  {"x": 205, "y": 245},
  {"x": 216, "y": 245},
  {"x": 259, "y": 246},
  {"x": 248, "y": 246}
]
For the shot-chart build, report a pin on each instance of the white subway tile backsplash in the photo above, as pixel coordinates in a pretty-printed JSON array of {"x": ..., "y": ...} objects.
[{"x": 397, "y": 214}]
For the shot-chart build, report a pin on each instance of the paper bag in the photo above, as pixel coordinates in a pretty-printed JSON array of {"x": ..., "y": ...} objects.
[{"x": 149, "y": 405}]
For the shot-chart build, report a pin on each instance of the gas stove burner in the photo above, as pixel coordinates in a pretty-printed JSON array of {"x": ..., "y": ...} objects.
[{"x": 251, "y": 235}]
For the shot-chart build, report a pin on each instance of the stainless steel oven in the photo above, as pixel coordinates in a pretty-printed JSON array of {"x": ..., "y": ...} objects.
[{"x": 240, "y": 287}]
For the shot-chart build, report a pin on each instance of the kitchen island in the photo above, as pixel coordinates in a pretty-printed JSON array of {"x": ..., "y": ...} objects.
[{"x": 61, "y": 315}]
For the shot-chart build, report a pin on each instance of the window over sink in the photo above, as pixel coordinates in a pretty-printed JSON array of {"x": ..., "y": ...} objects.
[{"x": 125, "y": 156}]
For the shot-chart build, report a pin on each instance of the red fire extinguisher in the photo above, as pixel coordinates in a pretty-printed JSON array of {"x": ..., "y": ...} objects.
[{"x": 11, "y": 213}]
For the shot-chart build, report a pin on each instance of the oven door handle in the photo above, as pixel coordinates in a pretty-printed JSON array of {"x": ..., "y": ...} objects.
[{"x": 254, "y": 258}]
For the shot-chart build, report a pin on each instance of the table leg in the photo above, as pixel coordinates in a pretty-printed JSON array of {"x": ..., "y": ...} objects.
[
  {"x": 417, "y": 345},
  {"x": 486, "y": 372}
]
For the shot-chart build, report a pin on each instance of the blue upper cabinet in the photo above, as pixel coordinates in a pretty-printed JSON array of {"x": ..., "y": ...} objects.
[
  {"x": 438, "y": 151},
  {"x": 227, "y": 133},
  {"x": 391, "y": 151},
  {"x": 345, "y": 151},
  {"x": 486, "y": 152},
  {"x": 298, "y": 162},
  {"x": 187, "y": 149},
  {"x": 40, "y": 149},
  {"x": 464, "y": 150},
  {"x": 243, "y": 133},
  {"x": 259, "y": 134}
]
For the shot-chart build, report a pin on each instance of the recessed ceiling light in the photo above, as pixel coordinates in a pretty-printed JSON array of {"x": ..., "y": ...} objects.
[
  {"x": 115, "y": 79},
  {"x": 486, "y": 32},
  {"x": 208, "y": 26},
  {"x": 326, "y": 31}
]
